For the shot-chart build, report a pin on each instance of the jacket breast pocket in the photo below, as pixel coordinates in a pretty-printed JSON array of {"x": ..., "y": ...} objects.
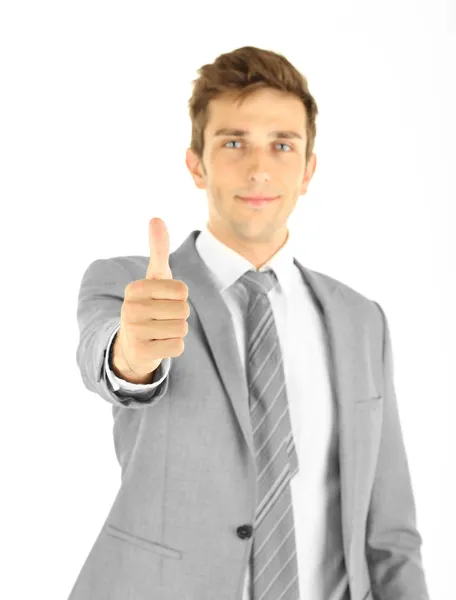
[{"x": 144, "y": 543}]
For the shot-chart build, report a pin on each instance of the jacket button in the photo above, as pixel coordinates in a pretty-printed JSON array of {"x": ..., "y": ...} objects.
[{"x": 244, "y": 531}]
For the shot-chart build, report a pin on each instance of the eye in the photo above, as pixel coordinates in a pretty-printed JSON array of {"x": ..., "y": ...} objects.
[
  {"x": 232, "y": 142},
  {"x": 284, "y": 144},
  {"x": 278, "y": 144}
]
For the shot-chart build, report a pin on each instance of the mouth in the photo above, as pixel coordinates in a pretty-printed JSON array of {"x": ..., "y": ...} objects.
[{"x": 257, "y": 200}]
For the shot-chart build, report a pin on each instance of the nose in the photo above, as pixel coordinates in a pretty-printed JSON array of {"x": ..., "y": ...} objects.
[
  {"x": 260, "y": 177},
  {"x": 258, "y": 171}
]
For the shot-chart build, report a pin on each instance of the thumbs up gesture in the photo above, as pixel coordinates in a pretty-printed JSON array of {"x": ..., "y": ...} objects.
[{"x": 154, "y": 315}]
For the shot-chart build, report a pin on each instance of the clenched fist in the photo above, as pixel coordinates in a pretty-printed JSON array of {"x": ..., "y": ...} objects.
[{"x": 153, "y": 318}]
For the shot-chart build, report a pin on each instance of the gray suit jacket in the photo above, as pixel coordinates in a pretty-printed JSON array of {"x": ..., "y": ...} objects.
[{"x": 186, "y": 452}]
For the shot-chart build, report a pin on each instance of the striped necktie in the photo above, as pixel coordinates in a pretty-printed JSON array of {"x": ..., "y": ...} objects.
[{"x": 274, "y": 560}]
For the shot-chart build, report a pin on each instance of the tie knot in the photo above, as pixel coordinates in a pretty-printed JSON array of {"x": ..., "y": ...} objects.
[{"x": 258, "y": 282}]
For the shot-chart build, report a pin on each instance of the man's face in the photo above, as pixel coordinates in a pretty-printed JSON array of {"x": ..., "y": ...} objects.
[{"x": 257, "y": 163}]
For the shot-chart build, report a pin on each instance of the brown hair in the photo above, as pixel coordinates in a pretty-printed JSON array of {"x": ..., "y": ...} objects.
[{"x": 242, "y": 72}]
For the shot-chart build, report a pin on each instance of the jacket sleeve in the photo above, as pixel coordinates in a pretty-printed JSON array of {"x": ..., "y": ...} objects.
[
  {"x": 393, "y": 542},
  {"x": 101, "y": 294}
]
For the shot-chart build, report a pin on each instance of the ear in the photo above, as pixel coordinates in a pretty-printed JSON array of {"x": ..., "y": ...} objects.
[
  {"x": 310, "y": 170},
  {"x": 195, "y": 166}
]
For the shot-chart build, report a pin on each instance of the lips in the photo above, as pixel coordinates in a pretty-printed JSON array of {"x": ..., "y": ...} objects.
[
  {"x": 257, "y": 198},
  {"x": 256, "y": 202}
]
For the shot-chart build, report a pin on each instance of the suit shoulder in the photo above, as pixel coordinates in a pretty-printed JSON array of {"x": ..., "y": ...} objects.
[
  {"x": 364, "y": 310},
  {"x": 124, "y": 268},
  {"x": 350, "y": 294}
]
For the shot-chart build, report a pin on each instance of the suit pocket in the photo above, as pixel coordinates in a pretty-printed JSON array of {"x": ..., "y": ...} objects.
[
  {"x": 370, "y": 400},
  {"x": 143, "y": 542}
]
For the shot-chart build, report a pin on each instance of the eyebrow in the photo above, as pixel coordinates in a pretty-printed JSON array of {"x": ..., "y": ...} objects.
[{"x": 242, "y": 133}]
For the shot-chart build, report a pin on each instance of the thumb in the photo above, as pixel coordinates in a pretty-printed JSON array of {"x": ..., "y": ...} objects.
[{"x": 159, "y": 251}]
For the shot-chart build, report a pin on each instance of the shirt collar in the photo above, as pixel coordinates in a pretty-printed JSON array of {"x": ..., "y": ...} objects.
[{"x": 227, "y": 266}]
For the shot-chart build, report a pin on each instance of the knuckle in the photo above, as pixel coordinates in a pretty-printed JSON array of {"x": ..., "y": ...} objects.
[
  {"x": 131, "y": 288},
  {"x": 127, "y": 291},
  {"x": 140, "y": 287},
  {"x": 187, "y": 310},
  {"x": 184, "y": 288},
  {"x": 128, "y": 311},
  {"x": 178, "y": 347},
  {"x": 124, "y": 312}
]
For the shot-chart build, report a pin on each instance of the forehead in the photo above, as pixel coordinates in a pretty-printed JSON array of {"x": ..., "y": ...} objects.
[{"x": 271, "y": 109}]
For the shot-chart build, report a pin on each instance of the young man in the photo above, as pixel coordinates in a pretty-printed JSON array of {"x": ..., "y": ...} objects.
[{"x": 263, "y": 457}]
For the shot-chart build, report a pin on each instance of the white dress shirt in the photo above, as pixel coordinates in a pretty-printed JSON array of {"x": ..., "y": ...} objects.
[{"x": 302, "y": 335}]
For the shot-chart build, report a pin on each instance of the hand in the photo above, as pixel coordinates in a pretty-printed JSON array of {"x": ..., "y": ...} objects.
[{"x": 154, "y": 312}]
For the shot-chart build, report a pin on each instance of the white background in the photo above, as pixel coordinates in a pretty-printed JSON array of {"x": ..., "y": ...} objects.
[{"x": 93, "y": 131}]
